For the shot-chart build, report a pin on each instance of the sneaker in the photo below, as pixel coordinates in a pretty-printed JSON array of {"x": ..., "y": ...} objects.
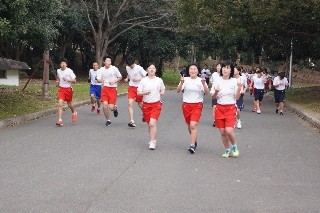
[
  {"x": 115, "y": 112},
  {"x": 108, "y": 123},
  {"x": 93, "y": 108},
  {"x": 98, "y": 111},
  {"x": 214, "y": 123},
  {"x": 131, "y": 124},
  {"x": 281, "y": 113},
  {"x": 59, "y": 123},
  {"x": 143, "y": 120},
  {"x": 277, "y": 110},
  {"x": 195, "y": 145},
  {"x": 254, "y": 109},
  {"x": 74, "y": 117},
  {"x": 239, "y": 125},
  {"x": 258, "y": 111},
  {"x": 192, "y": 149},
  {"x": 226, "y": 154},
  {"x": 152, "y": 145},
  {"x": 235, "y": 152}
]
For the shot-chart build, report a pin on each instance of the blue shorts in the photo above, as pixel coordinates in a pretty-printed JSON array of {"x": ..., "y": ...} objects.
[
  {"x": 258, "y": 94},
  {"x": 95, "y": 90},
  {"x": 240, "y": 102},
  {"x": 279, "y": 96},
  {"x": 214, "y": 102}
]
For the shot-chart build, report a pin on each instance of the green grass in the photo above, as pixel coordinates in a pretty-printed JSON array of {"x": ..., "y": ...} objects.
[{"x": 170, "y": 79}]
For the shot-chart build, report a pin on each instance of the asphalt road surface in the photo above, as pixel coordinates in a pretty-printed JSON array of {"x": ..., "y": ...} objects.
[{"x": 88, "y": 167}]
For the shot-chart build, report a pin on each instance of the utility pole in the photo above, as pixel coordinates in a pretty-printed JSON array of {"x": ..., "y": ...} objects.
[
  {"x": 45, "y": 84},
  {"x": 290, "y": 69}
]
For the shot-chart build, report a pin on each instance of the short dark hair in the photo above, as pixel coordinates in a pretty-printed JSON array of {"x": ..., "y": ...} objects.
[
  {"x": 193, "y": 64},
  {"x": 107, "y": 56},
  {"x": 130, "y": 60},
  {"x": 63, "y": 60},
  {"x": 151, "y": 63},
  {"x": 225, "y": 64},
  {"x": 282, "y": 75}
]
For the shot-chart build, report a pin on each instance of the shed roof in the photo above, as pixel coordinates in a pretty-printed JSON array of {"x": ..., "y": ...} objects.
[{"x": 9, "y": 64}]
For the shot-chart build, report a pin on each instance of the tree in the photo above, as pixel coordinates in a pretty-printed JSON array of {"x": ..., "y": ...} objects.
[{"x": 111, "y": 18}]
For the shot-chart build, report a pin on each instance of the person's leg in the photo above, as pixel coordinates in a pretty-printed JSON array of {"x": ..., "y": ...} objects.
[
  {"x": 192, "y": 127},
  {"x": 60, "y": 105},
  {"x": 71, "y": 106},
  {"x": 152, "y": 128},
  {"x": 130, "y": 108},
  {"x": 213, "y": 116},
  {"x": 106, "y": 110},
  {"x": 224, "y": 138}
]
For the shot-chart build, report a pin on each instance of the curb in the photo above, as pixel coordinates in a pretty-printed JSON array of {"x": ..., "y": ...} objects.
[
  {"x": 313, "y": 121},
  {"x": 37, "y": 115}
]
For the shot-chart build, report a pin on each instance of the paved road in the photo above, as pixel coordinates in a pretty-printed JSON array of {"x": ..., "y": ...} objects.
[{"x": 87, "y": 167}]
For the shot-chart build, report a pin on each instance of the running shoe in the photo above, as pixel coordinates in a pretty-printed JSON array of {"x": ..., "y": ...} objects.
[
  {"x": 258, "y": 111},
  {"x": 239, "y": 124},
  {"x": 281, "y": 113},
  {"x": 108, "y": 123},
  {"x": 214, "y": 123},
  {"x": 192, "y": 149},
  {"x": 131, "y": 124},
  {"x": 115, "y": 112},
  {"x": 277, "y": 110},
  {"x": 143, "y": 120},
  {"x": 74, "y": 117},
  {"x": 59, "y": 123},
  {"x": 226, "y": 154},
  {"x": 98, "y": 111},
  {"x": 152, "y": 145},
  {"x": 235, "y": 152},
  {"x": 254, "y": 109},
  {"x": 93, "y": 108}
]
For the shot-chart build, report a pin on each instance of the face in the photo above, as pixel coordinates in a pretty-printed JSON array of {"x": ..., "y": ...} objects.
[
  {"x": 132, "y": 66},
  {"x": 95, "y": 66},
  {"x": 63, "y": 65},
  {"x": 107, "y": 62},
  {"x": 236, "y": 71},
  {"x": 226, "y": 71},
  {"x": 151, "y": 70},
  {"x": 218, "y": 67},
  {"x": 193, "y": 71}
]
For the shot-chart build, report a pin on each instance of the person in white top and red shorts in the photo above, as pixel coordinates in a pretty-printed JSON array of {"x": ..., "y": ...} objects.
[
  {"x": 65, "y": 77},
  {"x": 227, "y": 90},
  {"x": 280, "y": 82},
  {"x": 109, "y": 75},
  {"x": 192, "y": 105},
  {"x": 151, "y": 88},
  {"x": 258, "y": 82},
  {"x": 135, "y": 74}
]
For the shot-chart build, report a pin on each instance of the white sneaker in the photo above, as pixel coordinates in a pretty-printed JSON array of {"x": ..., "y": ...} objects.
[
  {"x": 258, "y": 111},
  {"x": 152, "y": 144},
  {"x": 239, "y": 125}
]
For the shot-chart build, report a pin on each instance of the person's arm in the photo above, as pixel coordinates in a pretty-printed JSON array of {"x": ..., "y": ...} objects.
[
  {"x": 205, "y": 86},
  {"x": 237, "y": 95},
  {"x": 179, "y": 88}
]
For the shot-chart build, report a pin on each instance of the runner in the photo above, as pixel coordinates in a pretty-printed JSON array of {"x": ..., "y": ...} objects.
[
  {"x": 192, "y": 105},
  {"x": 242, "y": 79},
  {"x": 280, "y": 82},
  {"x": 151, "y": 88},
  {"x": 135, "y": 74},
  {"x": 109, "y": 75},
  {"x": 65, "y": 78},
  {"x": 206, "y": 72},
  {"x": 214, "y": 76},
  {"x": 227, "y": 90},
  {"x": 258, "y": 82},
  {"x": 95, "y": 87}
]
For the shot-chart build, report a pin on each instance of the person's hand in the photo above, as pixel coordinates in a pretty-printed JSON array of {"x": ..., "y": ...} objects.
[
  {"x": 162, "y": 93},
  {"x": 125, "y": 80},
  {"x": 135, "y": 80},
  {"x": 112, "y": 82},
  {"x": 203, "y": 79},
  {"x": 182, "y": 79},
  {"x": 148, "y": 93},
  {"x": 65, "y": 79},
  {"x": 217, "y": 89}
]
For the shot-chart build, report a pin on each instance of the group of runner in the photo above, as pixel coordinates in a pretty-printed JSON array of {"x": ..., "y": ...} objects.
[{"x": 229, "y": 84}]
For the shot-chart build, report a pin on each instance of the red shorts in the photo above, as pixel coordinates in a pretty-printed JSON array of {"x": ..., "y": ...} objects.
[
  {"x": 266, "y": 84},
  {"x": 151, "y": 110},
  {"x": 65, "y": 93},
  {"x": 109, "y": 94},
  {"x": 192, "y": 111},
  {"x": 132, "y": 94},
  {"x": 225, "y": 115}
]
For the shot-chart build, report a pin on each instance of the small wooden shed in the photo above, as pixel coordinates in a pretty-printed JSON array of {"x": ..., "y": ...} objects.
[{"x": 9, "y": 71}]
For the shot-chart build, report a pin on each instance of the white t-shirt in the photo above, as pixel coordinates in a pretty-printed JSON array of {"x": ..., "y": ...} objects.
[
  {"x": 154, "y": 86},
  {"x": 258, "y": 82},
  {"x": 93, "y": 76},
  {"x": 228, "y": 89},
  {"x": 67, "y": 73},
  {"x": 282, "y": 83},
  {"x": 206, "y": 72},
  {"x": 193, "y": 90},
  {"x": 108, "y": 75},
  {"x": 214, "y": 76},
  {"x": 136, "y": 72}
]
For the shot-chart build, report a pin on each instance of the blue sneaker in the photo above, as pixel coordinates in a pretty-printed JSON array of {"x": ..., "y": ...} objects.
[
  {"x": 115, "y": 112},
  {"x": 108, "y": 123},
  {"x": 192, "y": 149}
]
